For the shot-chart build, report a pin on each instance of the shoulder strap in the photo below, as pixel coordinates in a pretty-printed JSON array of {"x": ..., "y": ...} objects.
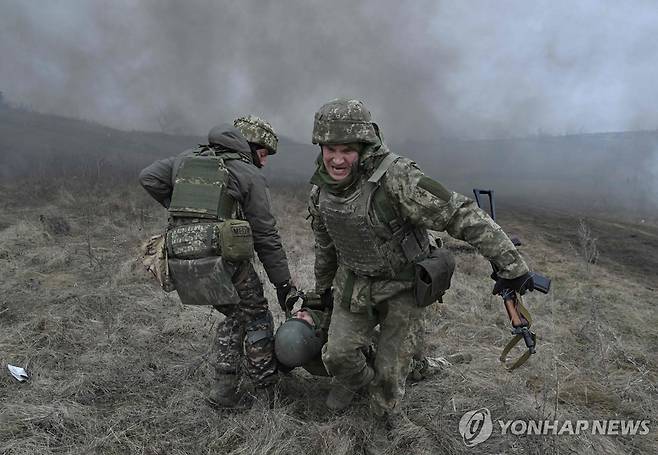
[
  {"x": 383, "y": 167},
  {"x": 383, "y": 207}
]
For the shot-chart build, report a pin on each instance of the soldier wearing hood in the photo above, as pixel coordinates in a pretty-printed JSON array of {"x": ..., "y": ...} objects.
[
  {"x": 370, "y": 213},
  {"x": 219, "y": 213}
]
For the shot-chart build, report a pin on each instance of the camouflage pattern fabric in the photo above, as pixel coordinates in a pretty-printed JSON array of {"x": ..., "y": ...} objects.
[
  {"x": 422, "y": 366},
  {"x": 418, "y": 200},
  {"x": 258, "y": 131},
  {"x": 326, "y": 259},
  {"x": 245, "y": 338},
  {"x": 246, "y": 185},
  {"x": 350, "y": 334},
  {"x": 343, "y": 121},
  {"x": 427, "y": 203},
  {"x": 435, "y": 209}
]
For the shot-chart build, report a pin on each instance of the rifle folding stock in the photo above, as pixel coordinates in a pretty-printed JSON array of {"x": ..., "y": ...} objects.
[{"x": 517, "y": 313}]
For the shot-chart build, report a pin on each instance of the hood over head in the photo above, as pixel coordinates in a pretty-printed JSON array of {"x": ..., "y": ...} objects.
[{"x": 228, "y": 137}]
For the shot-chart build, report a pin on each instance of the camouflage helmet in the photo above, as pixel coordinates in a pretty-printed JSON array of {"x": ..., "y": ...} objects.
[
  {"x": 258, "y": 131},
  {"x": 343, "y": 121},
  {"x": 296, "y": 343}
]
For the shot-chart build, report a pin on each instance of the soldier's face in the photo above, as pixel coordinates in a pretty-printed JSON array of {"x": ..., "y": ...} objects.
[
  {"x": 262, "y": 156},
  {"x": 338, "y": 160},
  {"x": 303, "y": 314}
]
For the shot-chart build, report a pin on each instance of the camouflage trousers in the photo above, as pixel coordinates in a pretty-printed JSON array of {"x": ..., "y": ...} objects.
[
  {"x": 391, "y": 305},
  {"x": 245, "y": 338}
]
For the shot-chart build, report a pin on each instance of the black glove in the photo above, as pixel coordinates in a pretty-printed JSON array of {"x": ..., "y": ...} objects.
[
  {"x": 520, "y": 284},
  {"x": 287, "y": 295},
  {"x": 327, "y": 299}
]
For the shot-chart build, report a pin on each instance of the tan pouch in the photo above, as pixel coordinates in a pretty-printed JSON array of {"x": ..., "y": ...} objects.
[
  {"x": 236, "y": 241},
  {"x": 154, "y": 258}
]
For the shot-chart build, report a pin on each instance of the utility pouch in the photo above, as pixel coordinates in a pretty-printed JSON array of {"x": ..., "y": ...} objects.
[
  {"x": 154, "y": 258},
  {"x": 205, "y": 281},
  {"x": 194, "y": 241},
  {"x": 433, "y": 275},
  {"x": 411, "y": 246},
  {"x": 236, "y": 241}
]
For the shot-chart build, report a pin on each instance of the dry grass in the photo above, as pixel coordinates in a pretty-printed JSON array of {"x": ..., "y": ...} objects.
[{"x": 119, "y": 367}]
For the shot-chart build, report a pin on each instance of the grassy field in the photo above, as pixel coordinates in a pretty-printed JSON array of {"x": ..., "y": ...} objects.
[{"x": 119, "y": 367}]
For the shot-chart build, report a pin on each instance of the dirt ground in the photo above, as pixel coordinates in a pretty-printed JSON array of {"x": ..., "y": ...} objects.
[{"x": 117, "y": 366}]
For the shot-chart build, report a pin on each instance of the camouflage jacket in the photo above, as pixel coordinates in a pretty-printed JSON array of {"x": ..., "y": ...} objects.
[
  {"x": 246, "y": 185},
  {"x": 426, "y": 203}
]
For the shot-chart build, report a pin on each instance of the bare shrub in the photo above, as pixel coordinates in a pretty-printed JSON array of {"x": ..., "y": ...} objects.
[{"x": 587, "y": 243}]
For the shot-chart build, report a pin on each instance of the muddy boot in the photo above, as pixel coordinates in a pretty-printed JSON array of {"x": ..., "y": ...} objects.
[
  {"x": 341, "y": 396},
  {"x": 226, "y": 394}
]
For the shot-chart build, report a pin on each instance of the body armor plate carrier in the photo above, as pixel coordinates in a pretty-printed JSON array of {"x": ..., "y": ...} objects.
[
  {"x": 203, "y": 243},
  {"x": 366, "y": 244}
]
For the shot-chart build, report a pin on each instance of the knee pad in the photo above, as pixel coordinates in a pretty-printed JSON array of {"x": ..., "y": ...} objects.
[{"x": 259, "y": 335}]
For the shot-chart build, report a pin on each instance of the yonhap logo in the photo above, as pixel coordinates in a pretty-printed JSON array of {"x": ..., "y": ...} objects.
[{"x": 476, "y": 427}]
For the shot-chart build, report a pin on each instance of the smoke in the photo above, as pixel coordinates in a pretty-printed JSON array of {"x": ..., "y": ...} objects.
[{"x": 425, "y": 69}]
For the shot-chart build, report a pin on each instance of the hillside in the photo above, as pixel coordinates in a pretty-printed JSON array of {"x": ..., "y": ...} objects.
[
  {"x": 602, "y": 173},
  {"x": 34, "y": 145},
  {"x": 119, "y": 367}
]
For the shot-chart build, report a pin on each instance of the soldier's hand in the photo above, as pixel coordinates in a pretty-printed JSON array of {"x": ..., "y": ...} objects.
[
  {"x": 519, "y": 284},
  {"x": 287, "y": 295}
]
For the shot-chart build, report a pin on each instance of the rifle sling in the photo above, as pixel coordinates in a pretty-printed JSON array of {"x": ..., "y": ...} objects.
[{"x": 515, "y": 340}]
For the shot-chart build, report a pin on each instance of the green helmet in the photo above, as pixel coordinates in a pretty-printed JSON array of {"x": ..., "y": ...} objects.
[
  {"x": 343, "y": 121},
  {"x": 258, "y": 131},
  {"x": 296, "y": 343}
]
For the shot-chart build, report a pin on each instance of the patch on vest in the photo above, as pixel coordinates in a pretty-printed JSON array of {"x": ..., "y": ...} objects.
[
  {"x": 192, "y": 241},
  {"x": 434, "y": 187}
]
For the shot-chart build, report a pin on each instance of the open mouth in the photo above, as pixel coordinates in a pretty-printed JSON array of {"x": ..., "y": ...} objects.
[{"x": 340, "y": 171}]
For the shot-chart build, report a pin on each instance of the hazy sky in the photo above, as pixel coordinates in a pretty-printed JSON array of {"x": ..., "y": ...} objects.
[{"x": 461, "y": 68}]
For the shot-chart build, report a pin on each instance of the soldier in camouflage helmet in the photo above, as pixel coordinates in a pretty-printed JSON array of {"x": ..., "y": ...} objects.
[
  {"x": 370, "y": 213},
  {"x": 201, "y": 188},
  {"x": 261, "y": 137}
]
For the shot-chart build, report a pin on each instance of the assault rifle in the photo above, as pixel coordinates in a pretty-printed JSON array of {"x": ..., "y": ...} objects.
[{"x": 516, "y": 311}]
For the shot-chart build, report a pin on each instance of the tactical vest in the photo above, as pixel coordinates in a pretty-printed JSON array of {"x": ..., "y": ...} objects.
[
  {"x": 366, "y": 242},
  {"x": 202, "y": 212},
  {"x": 200, "y": 188}
]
